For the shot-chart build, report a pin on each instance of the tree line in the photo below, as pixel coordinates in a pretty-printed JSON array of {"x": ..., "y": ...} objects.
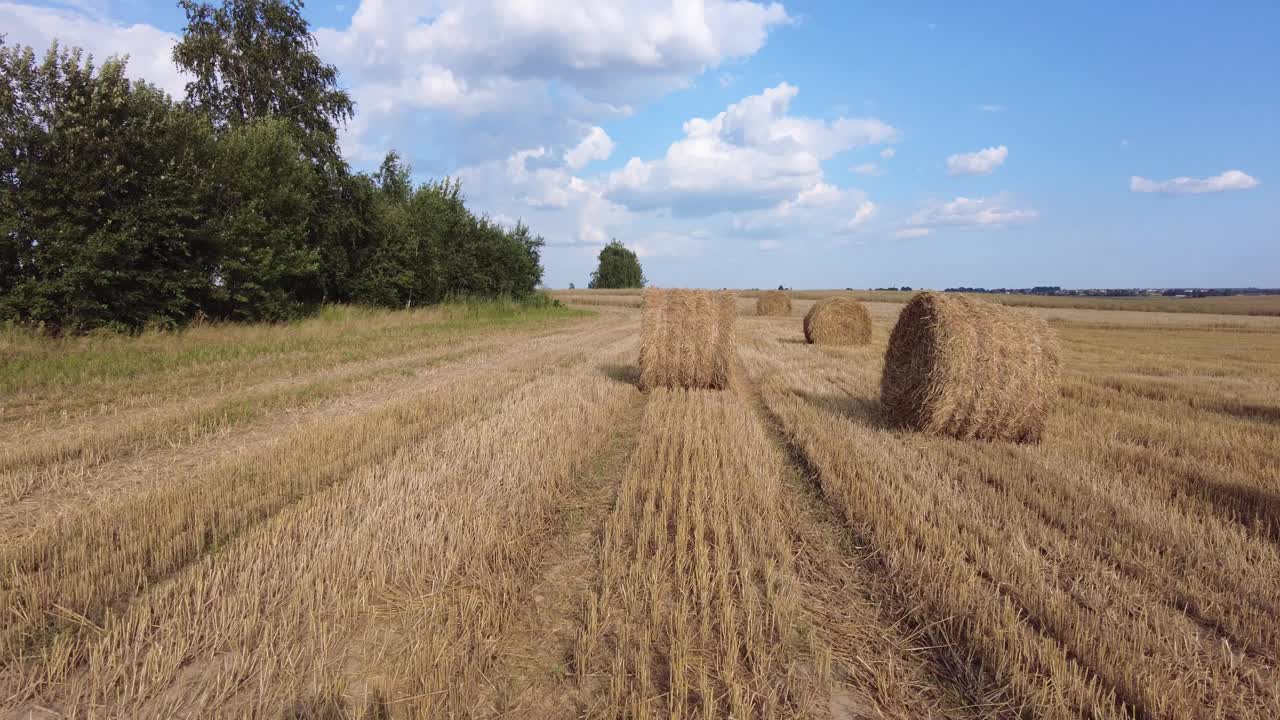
[{"x": 121, "y": 207}]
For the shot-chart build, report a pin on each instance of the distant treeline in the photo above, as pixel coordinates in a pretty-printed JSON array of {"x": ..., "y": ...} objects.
[
  {"x": 122, "y": 208},
  {"x": 1119, "y": 292}
]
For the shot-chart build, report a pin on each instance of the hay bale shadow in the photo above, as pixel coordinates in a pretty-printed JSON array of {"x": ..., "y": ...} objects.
[
  {"x": 1245, "y": 411},
  {"x": 864, "y": 411},
  {"x": 1255, "y": 508},
  {"x": 628, "y": 374}
]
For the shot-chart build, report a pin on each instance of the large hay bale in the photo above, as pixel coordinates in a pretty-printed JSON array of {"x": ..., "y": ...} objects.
[
  {"x": 773, "y": 302},
  {"x": 687, "y": 339},
  {"x": 970, "y": 368},
  {"x": 837, "y": 321}
]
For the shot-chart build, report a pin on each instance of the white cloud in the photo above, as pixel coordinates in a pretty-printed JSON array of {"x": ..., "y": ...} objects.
[
  {"x": 820, "y": 195},
  {"x": 1229, "y": 180},
  {"x": 982, "y": 162},
  {"x": 149, "y": 48},
  {"x": 597, "y": 145},
  {"x": 988, "y": 211},
  {"x": 860, "y": 216},
  {"x": 752, "y": 155},
  {"x": 665, "y": 243},
  {"x": 911, "y": 233},
  {"x": 823, "y": 212},
  {"x": 991, "y": 108},
  {"x": 888, "y": 153},
  {"x": 869, "y": 169},
  {"x": 496, "y": 75}
]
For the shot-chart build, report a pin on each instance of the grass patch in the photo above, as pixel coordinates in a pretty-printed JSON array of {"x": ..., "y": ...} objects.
[{"x": 342, "y": 333}]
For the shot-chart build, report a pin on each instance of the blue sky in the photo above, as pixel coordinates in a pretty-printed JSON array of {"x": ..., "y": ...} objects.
[{"x": 813, "y": 144}]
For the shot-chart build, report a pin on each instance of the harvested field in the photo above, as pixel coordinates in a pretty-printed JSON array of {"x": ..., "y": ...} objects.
[{"x": 481, "y": 514}]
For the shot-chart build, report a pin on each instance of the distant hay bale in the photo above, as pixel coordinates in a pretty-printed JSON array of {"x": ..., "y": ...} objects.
[
  {"x": 969, "y": 368},
  {"x": 773, "y": 302},
  {"x": 687, "y": 339},
  {"x": 837, "y": 321}
]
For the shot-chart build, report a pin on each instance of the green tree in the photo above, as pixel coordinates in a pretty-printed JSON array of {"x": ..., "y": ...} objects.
[
  {"x": 255, "y": 59},
  {"x": 260, "y": 217},
  {"x": 386, "y": 270},
  {"x": 101, "y": 220},
  {"x": 619, "y": 268}
]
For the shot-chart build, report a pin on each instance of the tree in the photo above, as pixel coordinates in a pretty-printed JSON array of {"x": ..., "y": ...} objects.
[
  {"x": 619, "y": 268},
  {"x": 255, "y": 59},
  {"x": 260, "y": 214},
  {"x": 386, "y": 272},
  {"x": 101, "y": 221}
]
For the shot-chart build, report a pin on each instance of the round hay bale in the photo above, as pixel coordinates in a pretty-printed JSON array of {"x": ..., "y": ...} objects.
[
  {"x": 687, "y": 339},
  {"x": 773, "y": 302},
  {"x": 969, "y": 368},
  {"x": 837, "y": 321}
]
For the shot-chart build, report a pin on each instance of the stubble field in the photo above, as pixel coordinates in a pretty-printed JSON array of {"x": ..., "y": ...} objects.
[{"x": 476, "y": 513}]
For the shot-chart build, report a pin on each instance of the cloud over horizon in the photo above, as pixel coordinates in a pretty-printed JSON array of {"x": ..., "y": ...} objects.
[{"x": 1229, "y": 180}]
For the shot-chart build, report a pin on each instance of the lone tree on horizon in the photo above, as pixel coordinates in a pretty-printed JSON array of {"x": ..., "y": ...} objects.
[{"x": 619, "y": 268}]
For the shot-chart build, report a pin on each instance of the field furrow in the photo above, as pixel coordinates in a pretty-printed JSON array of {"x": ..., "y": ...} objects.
[{"x": 697, "y": 611}]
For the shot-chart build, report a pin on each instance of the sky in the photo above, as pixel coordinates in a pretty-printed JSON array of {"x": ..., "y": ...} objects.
[{"x": 811, "y": 144}]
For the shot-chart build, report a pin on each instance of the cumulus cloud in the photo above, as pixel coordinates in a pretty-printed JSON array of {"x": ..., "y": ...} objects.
[
  {"x": 988, "y": 211},
  {"x": 504, "y": 74},
  {"x": 868, "y": 169},
  {"x": 991, "y": 108},
  {"x": 982, "y": 162},
  {"x": 888, "y": 153},
  {"x": 1229, "y": 180},
  {"x": 149, "y": 49},
  {"x": 752, "y": 155},
  {"x": 597, "y": 145}
]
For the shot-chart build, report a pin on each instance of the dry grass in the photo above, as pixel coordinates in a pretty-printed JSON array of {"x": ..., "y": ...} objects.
[
  {"x": 969, "y": 369},
  {"x": 407, "y": 518},
  {"x": 687, "y": 339},
  {"x": 774, "y": 302},
  {"x": 1121, "y": 568},
  {"x": 837, "y": 321},
  {"x": 496, "y": 523},
  {"x": 695, "y": 613}
]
